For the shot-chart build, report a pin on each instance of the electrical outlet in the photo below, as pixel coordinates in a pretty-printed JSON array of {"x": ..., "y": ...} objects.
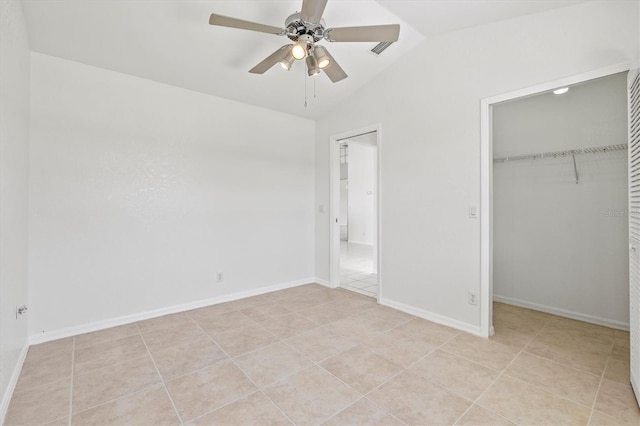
[
  {"x": 473, "y": 298},
  {"x": 219, "y": 277}
]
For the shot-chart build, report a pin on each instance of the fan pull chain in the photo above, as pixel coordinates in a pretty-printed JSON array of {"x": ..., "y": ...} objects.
[
  {"x": 304, "y": 70},
  {"x": 314, "y": 87}
]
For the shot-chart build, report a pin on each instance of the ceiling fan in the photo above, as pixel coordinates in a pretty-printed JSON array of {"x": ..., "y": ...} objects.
[{"x": 305, "y": 29}]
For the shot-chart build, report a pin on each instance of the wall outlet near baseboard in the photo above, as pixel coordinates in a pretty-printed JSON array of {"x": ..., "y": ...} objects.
[
  {"x": 219, "y": 277},
  {"x": 473, "y": 298}
]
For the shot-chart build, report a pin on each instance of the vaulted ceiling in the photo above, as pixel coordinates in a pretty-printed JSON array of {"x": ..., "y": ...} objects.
[{"x": 170, "y": 41}]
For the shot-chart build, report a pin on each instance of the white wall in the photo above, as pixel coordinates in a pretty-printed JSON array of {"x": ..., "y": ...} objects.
[
  {"x": 428, "y": 105},
  {"x": 14, "y": 174},
  {"x": 140, "y": 192},
  {"x": 362, "y": 173},
  {"x": 559, "y": 246}
]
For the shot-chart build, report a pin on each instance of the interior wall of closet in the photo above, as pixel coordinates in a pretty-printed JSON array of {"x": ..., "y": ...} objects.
[{"x": 560, "y": 223}]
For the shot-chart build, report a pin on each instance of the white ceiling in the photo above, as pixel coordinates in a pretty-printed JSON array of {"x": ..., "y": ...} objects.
[{"x": 170, "y": 41}]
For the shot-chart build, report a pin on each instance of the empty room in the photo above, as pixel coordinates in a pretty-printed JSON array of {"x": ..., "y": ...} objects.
[{"x": 335, "y": 212}]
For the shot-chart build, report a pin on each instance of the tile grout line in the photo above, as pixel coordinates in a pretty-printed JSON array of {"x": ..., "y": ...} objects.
[
  {"x": 604, "y": 370},
  {"x": 475, "y": 401},
  {"x": 173, "y": 404},
  {"x": 73, "y": 364},
  {"x": 258, "y": 388}
]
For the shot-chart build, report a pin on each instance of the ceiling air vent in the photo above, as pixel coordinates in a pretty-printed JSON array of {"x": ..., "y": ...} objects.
[{"x": 381, "y": 47}]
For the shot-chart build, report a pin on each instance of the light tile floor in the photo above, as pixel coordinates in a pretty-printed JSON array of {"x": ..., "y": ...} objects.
[
  {"x": 356, "y": 269},
  {"x": 313, "y": 355}
]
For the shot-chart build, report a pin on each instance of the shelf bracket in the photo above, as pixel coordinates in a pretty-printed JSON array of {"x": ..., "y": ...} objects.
[{"x": 575, "y": 167}]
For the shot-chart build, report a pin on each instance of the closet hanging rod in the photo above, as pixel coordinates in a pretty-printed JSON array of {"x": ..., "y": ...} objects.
[{"x": 559, "y": 154}]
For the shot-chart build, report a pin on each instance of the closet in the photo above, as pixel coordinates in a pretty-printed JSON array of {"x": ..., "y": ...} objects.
[{"x": 560, "y": 220}]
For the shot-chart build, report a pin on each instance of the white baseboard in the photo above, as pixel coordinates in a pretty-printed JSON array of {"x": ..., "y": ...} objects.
[
  {"x": 11, "y": 386},
  {"x": 562, "y": 312},
  {"x": 128, "y": 319},
  {"x": 323, "y": 282},
  {"x": 363, "y": 243},
  {"x": 430, "y": 316}
]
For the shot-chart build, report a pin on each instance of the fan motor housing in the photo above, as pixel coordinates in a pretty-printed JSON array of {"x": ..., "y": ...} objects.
[{"x": 297, "y": 27}]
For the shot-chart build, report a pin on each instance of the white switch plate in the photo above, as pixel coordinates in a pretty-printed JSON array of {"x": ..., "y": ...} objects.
[{"x": 473, "y": 211}]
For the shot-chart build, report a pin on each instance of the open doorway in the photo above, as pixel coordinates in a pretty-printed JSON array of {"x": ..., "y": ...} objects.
[{"x": 355, "y": 208}]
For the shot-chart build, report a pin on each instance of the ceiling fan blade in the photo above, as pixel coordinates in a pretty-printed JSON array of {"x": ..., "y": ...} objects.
[
  {"x": 372, "y": 33},
  {"x": 312, "y": 10},
  {"x": 333, "y": 70},
  {"x": 225, "y": 21},
  {"x": 271, "y": 60}
]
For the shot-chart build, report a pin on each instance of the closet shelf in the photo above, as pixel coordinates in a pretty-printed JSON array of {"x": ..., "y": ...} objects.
[{"x": 560, "y": 154}]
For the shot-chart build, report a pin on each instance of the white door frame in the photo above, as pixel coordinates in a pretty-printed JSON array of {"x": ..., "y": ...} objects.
[
  {"x": 486, "y": 180},
  {"x": 334, "y": 197}
]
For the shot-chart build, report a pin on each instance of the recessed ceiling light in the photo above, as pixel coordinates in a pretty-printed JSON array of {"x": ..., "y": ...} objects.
[{"x": 561, "y": 91}]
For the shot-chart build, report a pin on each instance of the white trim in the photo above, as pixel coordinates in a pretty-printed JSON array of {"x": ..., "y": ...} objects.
[
  {"x": 11, "y": 386},
  {"x": 128, "y": 319},
  {"x": 323, "y": 282},
  {"x": 486, "y": 171},
  {"x": 334, "y": 201},
  {"x": 619, "y": 325},
  {"x": 430, "y": 316},
  {"x": 362, "y": 243}
]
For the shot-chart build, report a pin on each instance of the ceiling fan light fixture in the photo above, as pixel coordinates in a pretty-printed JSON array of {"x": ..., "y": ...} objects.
[
  {"x": 312, "y": 66},
  {"x": 288, "y": 61},
  {"x": 299, "y": 50},
  {"x": 322, "y": 59}
]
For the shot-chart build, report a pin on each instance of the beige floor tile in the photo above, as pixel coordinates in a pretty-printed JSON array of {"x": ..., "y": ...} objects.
[
  {"x": 63, "y": 421},
  {"x": 385, "y": 316},
  {"x": 182, "y": 334},
  {"x": 212, "y": 311},
  {"x": 320, "y": 343},
  {"x": 458, "y": 375},
  {"x": 40, "y": 370},
  {"x": 520, "y": 320},
  {"x": 261, "y": 313},
  {"x": 511, "y": 337},
  {"x": 363, "y": 412},
  {"x": 325, "y": 314},
  {"x": 40, "y": 405},
  {"x": 482, "y": 351},
  {"x": 111, "y": 382},
  {"x": 566, "y": 336},
  {"x": 242, "y": 340},
  {"x": 311, "y": 396},
  {"x": 600, "y": 419},
  {"x": 428, "y": 331},
  {"x": 574, "y": 354},
  {"x": 54, "y": 348},
  {"x": 416, "y": 400},
  {"x": 289, "y": 325},
  {"x": 255, "y": 409},
  {"x": 617, "y": 400},
  {"x": 361, "y": 368},
  {"x": 107, "y": 335},
  {"x": 148, "y": 407},
  {"x": 304, "y": 303},
  {"x": 164, "y": 322},
  {"x": 621, "y": 349},
  {"x": 205, "y": 390},
  {"x": 272, "y": 363},
  {"x": 110, "y": 352},
  {"x": 185, "y": 359},
  {"x": 558, "y": 379},
  {"x": 479, "y": 416},
  {"x": 524, "y": 404},
  {"x": 225, "y": 322},
  {"x": 398, "y": 348},
  {"x": 592, "y": 330},
  {"x": 617, "y": 370},
  {"x": 357, "y": 329}
]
